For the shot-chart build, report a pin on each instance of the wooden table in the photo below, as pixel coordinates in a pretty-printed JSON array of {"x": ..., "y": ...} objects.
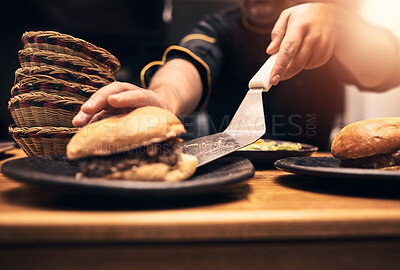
[{"x": 274, "y": 221}]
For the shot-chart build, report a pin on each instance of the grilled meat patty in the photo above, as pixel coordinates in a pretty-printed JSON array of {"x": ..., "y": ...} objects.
[
  {"x": 168, "y": 152},
  {"x": 374, "y": 162}
]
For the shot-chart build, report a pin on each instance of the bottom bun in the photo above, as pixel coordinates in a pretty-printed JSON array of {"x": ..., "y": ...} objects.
[{"x": 160, "y": 171}]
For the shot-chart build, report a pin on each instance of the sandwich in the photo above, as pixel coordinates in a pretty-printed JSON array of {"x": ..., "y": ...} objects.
[
  {"x": 372, "y": 143},
  {"x": 142, "y": 145}
]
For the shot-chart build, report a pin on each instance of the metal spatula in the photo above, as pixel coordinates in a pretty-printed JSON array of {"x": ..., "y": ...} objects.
[{"x": 247, "y": 125}]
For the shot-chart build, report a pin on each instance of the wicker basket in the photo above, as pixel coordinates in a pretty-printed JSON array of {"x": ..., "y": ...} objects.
[
  {"x": 62, "y": 43},
  {"x": 50, "y": 85},
  {"x": 30, "y": 58},
  {"x": 62, "y": 74},
  {"x": 41, "y": 109},
  {"x": 36, "y": 141}
]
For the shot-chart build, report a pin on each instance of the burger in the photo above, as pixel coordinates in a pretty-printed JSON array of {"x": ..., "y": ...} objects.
[
  {"x": 372, "y": 143},
  {"x": 142, "y": 145}
]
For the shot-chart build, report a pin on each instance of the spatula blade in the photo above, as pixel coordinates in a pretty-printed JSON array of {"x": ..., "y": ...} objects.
[
  {"x": 211, "y": 147},
  {"x": 246, "y": 127}
]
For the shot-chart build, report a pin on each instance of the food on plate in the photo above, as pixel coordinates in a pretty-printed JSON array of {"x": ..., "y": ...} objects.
[
  {"x": 372, "y": 143},
  {"x": 261, "y": 145},
  {"x": 142, "y": 145}
]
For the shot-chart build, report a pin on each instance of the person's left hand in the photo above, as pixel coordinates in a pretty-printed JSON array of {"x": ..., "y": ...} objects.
[
  {"x": 304, "y": 37},
  {"x": 116, "y": 98}
]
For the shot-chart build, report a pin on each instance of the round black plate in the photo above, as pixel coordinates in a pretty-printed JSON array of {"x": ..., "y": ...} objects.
[
  {"x": 266, "y": 159},
  {"x": 57, "y": 171},
  {"x": 329, "y": 167}
]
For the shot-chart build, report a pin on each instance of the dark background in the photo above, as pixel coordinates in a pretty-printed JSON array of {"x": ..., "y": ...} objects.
[{"x": 134, "y": 31}]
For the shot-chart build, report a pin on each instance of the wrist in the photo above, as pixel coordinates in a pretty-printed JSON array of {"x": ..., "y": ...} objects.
[
  {"x": 179, "y": 86},
  {"x": 346, "y": 22},
  {"x": 163, "y": 93}
]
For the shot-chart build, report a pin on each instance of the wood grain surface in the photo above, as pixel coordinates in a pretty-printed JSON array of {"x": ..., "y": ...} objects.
[
  {"x": 274, "y": 221},
  {"x": 273, "y": 205}
]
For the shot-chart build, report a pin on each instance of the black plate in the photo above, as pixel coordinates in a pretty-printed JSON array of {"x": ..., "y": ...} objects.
[
  {"x": 57, "y": 171},
  {"x": 261, "y": 159},
  {"x": 329, "y": 167}
]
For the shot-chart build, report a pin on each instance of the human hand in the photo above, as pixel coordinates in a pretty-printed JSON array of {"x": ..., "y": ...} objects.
[
  {"x": 304, "y": 37},
  {"x": 116, "y": 98}
]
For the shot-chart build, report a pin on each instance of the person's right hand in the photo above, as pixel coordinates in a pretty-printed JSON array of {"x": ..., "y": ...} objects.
[
  {"x": 304, "y": 37},
  {"x": 116, "y": 98}
]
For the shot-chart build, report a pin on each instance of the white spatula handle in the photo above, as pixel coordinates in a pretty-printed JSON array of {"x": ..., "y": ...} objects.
[{"x": 261, "y": 78}]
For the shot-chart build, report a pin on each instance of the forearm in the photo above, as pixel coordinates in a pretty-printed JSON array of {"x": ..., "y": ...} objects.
[
  {"x": 370, "y": 53},
  {"x": 178, "y": 83}
]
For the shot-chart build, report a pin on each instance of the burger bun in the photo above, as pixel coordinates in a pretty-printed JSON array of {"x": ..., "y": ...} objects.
[
  {"x": 367, "y": 138},
  {"x": 141, "y": 127}
]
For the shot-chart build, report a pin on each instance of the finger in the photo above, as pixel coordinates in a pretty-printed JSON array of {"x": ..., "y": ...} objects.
[
  {"x": 117, "y": 111},
  {"x": 134, "y": 99},
  {"x": 296, "y": 66},
  {"x": 105, "y": 114},
  {"x": 300, "y": 60},
  {"x": 100, "y": 116},
  {"x": 288, "y": 50},
  {"x": 278, "y": 32},
  {"x": 98, "y": 101},
  {"x": 81, "y": 119}
]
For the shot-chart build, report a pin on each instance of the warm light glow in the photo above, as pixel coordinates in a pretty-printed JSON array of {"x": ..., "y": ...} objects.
[
  {"x": 364, "y": 105},
  {"x": 384, "y": 13}
]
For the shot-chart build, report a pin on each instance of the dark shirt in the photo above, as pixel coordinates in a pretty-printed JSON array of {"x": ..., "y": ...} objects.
[{"x": 227, "y": 54}]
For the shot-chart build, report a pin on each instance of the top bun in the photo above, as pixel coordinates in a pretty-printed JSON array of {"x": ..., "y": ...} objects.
[
  {"x": 367, "y": 138},
  {"x": 142, "y": 126}
]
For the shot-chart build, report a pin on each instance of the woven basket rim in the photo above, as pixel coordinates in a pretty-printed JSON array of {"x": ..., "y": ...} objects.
[
  {"x": 78, "y": 60},
  {"x": 13, "y": 129},
  {"x": 64, "y": 90},
  {"x": 64, "y": 107},
  {"x": 58, "y": 73},
  {"x": 87, "y": 48},
  {"x": 73, "y": 63},
  {"x": 42, "y": 96},
  {"x": 105, "y": 63},
  {"x": 43, "y": 78}
]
